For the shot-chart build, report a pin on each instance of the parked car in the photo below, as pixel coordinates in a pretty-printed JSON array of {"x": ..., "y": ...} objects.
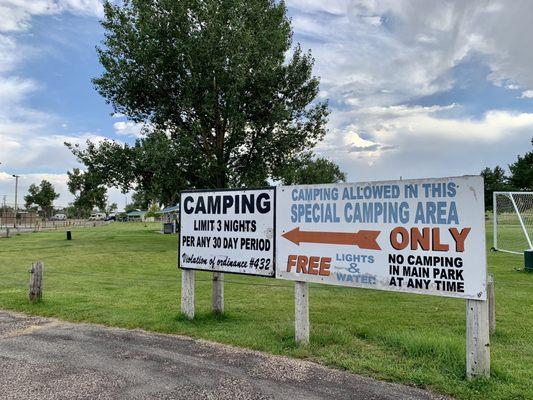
[
  {"x": 111, "y": 217},
  {"x": 97, "y": 217},
  {"x": 59, "y": 217}
]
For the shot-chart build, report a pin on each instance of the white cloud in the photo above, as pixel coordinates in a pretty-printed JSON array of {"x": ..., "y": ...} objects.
[
  {"x": 388, "y": 142},
  {"x": 17, "y": 14},
  {"x": 409, "y": 47},
  {"x": 14, "y": 89},
  {"x": 38, "y": 152},
  {"x": 27, "y": 139},
  {"x": 11, "y": 53},
  {"x": 15, "y": 17},
  {"x": 527, "y": 94},
  {"x": 376, "y": 56},
  {"x": 128, "y": 128},
  {"x": 384, "y": 52},
  {"x": 338, "y": 7}
]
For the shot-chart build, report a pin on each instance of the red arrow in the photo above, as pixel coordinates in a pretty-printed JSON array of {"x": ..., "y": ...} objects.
[{"x": 364, "y": 239}]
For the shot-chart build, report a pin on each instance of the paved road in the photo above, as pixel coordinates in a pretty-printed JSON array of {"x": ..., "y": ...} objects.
[{"x": 48, "y": 359}]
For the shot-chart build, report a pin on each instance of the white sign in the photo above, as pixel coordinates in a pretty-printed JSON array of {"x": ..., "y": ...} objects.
[
  {"x": 421, "y": 236},
  {"x": 228, "y": 231}
]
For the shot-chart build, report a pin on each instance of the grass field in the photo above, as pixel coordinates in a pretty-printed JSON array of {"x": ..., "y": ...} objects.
[{"x": 125, "y": 275}]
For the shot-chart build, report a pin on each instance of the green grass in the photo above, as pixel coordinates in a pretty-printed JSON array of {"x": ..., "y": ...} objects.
[{"x": 125, "y": 275}]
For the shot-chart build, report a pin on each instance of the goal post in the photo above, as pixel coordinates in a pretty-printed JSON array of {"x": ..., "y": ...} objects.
[{"x": 513, "y": 221}]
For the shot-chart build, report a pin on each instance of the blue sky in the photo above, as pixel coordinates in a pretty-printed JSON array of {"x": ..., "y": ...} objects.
[{"x": 416, "y": 88}]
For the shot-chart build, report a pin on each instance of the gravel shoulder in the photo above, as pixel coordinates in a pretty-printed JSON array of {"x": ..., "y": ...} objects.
[{"x": 43, "y": 358}]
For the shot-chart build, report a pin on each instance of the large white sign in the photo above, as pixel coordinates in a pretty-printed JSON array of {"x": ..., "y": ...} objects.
[
  {"x": 228, "y": 231},
  {"x": 421, "y": 236}
]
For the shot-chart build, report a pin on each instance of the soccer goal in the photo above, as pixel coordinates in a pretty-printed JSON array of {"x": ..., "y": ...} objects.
[{"x": 513, "y": 221}]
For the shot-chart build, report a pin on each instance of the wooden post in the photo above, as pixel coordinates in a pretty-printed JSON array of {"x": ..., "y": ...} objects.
[
  {"x": 477, "y": 339},
  {"x": 492, "y": 305},
  {"x": 218, "y": 292},
  {"x": 36, "y": 282},
  {"x": 301, "y": 312},
  {"x": 187, "y": 292}
]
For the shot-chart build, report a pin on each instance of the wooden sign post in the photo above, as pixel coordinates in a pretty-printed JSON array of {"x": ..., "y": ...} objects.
[
  {"x": 492, "y": 304},
  {"x": 187, "y": 292},
  {"x": 218, "y": 293},
  {"x": 477, "y": 339},
  {"x": 301, "y": 308}
]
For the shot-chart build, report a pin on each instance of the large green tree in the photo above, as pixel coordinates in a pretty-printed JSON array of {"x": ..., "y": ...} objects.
[
  {"x": 42, "y": 195},
  {"x": 311, "y": 170},
  {"x": 522, "y": 172},
  {"x": 221, "y": 78}
]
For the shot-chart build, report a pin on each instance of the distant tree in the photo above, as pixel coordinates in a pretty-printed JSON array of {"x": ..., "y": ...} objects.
[
  {"x": 495, "y": 181},
  {"x": 221, "y": 78},
  {"x": 88, "y": 190},
  {"x": 42, "y": 196},
  {"x": 140, "y": 200},
  {"x": 522, "y": 172},
  {"x": 131, "y": 207},
  {"x": 152, "y": 210},
  {"x": 110, "y": 208},
  {"x": 71, "y": 211},
  {"x": 313, "y": 170}
]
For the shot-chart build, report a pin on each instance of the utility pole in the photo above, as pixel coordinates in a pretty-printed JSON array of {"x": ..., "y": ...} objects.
[
  {"x": 4, "y": 209},
  {"x": 16, "y": 194}
]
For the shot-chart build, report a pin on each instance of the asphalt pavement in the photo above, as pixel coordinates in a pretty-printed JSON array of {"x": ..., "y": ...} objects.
[{"x": 43, "y": 358}]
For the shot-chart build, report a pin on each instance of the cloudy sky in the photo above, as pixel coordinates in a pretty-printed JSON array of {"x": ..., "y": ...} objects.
[{"x": 416, "y": 88}]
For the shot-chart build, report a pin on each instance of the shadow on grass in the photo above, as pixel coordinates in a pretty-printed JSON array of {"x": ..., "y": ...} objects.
[{"x": 204, "y": 319}]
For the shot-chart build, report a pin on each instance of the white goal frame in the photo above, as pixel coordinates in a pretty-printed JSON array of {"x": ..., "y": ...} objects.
[{"x": 511, "y": 196}]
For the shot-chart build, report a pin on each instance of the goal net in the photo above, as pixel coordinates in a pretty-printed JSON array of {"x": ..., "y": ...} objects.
[{"x": 513, "y": 221}]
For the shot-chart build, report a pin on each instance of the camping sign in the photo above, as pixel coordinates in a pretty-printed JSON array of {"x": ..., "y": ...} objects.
[
  {"x": 228, "y": 231},
  {"x": 421, "y": 236}
]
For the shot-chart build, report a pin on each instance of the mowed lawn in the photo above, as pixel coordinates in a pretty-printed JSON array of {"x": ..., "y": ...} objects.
[{"x": 125, "y": 275}]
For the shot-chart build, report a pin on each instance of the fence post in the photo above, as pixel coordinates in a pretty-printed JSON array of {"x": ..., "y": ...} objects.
[
  {"x": 187, "y": 292},
  {"x": 492, "y": 304},
  {"x": 218, "y": 292},
  {"x": 301, "y": 312},
  {"x": 477, "y": 339},
  {"x": 36, "y": 282}
]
